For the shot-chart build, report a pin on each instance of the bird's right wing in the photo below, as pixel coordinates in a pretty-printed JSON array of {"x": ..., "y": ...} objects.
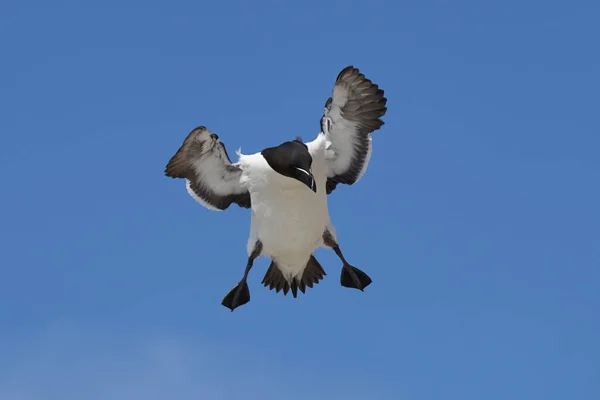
[{"x": 211, "y": 178}]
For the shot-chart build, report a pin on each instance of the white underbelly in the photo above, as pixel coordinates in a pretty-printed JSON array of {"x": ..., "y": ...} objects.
[{"x": 290, "y": 226}]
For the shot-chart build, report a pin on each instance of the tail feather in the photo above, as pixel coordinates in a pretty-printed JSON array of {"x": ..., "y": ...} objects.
[
  {"x": 274, "y": 279},
  {"x": 313, "y": 273}
]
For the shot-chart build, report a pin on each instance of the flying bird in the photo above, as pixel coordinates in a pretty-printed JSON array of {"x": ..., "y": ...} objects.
[{"x": 286, "y": 187}]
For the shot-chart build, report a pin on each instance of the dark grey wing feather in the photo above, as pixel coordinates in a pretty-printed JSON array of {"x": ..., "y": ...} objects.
[
  {"x": 351, "y": 114},
  {"x": 211, "y": 178}
]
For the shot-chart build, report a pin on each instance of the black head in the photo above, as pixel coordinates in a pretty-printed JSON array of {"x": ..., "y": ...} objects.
[{"x": 293, "y": 160}]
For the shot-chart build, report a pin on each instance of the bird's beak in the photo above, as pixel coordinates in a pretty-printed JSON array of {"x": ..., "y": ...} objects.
[{"x": 307, "y": 178}]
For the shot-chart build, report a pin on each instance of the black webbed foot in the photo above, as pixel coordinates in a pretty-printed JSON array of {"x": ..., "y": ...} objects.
[
  {"x": 237, "y": 296},
  {"x": 240, "y": 293},
  {"x": 353, "y": 277}
]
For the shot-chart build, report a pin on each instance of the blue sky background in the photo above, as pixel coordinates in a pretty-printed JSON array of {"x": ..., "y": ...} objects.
[{"x": 478, "y": 218}]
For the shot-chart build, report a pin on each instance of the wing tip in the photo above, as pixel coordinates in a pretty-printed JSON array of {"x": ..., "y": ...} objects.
[
  {"x": 344, "y": 71},
  {"x": 372, "y": 97},
  {"x": 177, "y": 166}
]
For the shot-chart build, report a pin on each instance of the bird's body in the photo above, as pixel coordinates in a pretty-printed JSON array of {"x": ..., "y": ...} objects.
[
  {"x": 287, "y": 217},
  {"x": 286, "y": 187}
]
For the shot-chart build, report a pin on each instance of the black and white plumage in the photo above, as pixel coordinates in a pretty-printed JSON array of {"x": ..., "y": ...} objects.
[{"x": 286, "y": 186}]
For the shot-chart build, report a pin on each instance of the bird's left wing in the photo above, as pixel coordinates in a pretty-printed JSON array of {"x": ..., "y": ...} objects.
[
  {"x": 351, "y": 114},
  {"x": 211, "y": 178}
]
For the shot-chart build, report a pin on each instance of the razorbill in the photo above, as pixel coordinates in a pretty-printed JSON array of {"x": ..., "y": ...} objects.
[{"x": 286, "y": 187}]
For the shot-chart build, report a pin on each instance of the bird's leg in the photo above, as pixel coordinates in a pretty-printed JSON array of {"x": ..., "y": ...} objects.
[
  {"x": 351, "y": 277},
  {"x": 240, "y": 293}
]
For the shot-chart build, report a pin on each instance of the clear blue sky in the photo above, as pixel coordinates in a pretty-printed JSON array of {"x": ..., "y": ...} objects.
[{"x": 478, "y": 218}]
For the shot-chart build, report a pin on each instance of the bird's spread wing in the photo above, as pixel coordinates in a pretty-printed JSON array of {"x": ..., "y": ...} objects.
[
  {"x": 351, "y": 114},
  {"x": 211, "y": 177}
]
